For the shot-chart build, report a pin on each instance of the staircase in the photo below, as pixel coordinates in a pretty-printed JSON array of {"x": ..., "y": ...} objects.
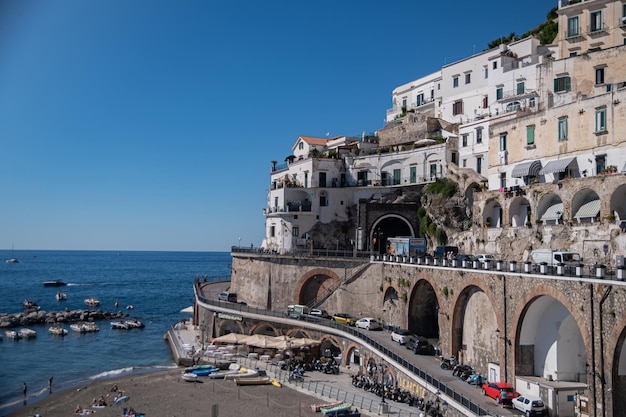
[{"x": 354, "y": 274}]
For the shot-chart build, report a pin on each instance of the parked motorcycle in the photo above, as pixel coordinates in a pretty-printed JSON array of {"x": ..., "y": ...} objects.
[
  {"x": 476, "y": 379},
  {"x": 448, "y": 363}
]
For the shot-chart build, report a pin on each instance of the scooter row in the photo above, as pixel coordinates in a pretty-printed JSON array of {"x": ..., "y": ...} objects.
[{"x": 466, "y": 372}]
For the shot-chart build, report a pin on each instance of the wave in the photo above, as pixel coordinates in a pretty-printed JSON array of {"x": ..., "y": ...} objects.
[
  {"x": 109, "y": 374},
  {"x": 129, "y": 370}
]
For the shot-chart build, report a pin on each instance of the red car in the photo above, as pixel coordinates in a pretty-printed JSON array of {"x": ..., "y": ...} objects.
[{"x": 495, "y": 390}]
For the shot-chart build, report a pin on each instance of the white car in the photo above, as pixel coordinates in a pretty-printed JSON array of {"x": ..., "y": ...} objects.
[
  {"x": 530, "y": 406},
  {"x": 483, "y": 257},
  {"x": 368, "y": 323},
  {"x": 401, "y": 335}
]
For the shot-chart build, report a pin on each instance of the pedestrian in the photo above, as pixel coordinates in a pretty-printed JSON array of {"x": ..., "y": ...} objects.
[
  {"x": 50, "y": 385},
  {"x": 24, "y": 389}
]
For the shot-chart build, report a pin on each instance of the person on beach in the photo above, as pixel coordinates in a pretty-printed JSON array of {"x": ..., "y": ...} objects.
[
  {"x": 25, "y": 389},
  {"x": 50, "y": 385},
  {"x": 79, "y": 409}
]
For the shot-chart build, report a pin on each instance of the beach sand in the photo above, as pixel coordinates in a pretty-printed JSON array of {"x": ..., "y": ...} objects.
[{"x": 165, "y": 394}]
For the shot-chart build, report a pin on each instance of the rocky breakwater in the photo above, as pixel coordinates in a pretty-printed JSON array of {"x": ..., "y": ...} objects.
[{"x": 8, "y": 320}]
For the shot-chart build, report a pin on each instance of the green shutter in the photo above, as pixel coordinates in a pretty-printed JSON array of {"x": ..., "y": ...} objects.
[
  {"x": 567, "y": 84},
  {"x": 530, "y": 135}
]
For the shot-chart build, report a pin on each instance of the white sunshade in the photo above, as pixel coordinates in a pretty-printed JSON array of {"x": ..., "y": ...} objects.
[
  {"x": 187, "y": 310},
  {"x": 554, "y": 212},
  {"x": 558, "y": 165},
  {"x": 525, "y": 169},
  {"x": 589, "y": 209}
]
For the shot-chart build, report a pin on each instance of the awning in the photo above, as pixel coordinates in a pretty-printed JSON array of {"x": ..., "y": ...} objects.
[
  {"x": 558, "y": 165},
  {"x": 589, "y": 209},
  {"x": 525, "y": 169},
  {"x": 554, "y": 212}
]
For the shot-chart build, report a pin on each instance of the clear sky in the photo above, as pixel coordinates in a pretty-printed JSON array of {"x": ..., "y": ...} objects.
[{"x": 151, "y": 124}]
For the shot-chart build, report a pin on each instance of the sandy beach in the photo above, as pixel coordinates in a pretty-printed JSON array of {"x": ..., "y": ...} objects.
[{"x": 165, "y": 394}]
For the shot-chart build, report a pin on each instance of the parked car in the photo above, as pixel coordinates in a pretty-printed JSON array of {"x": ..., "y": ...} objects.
[
  {"x": 463, "y": 257},
  {"x": 530, "y": 406},
  {"x": 319, "y": 313},
  {"x": 483, "y": 257},
  {"x": 344, "y": 318},
  {"x": 368, "y": 323},
  {"x": 420, "y": 345},
  {"x": 401, "y": 335},
  {"x": 495, "y": 389}
]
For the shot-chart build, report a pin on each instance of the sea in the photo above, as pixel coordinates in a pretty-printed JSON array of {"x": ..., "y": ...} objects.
[{"x": 157, "y": 285}]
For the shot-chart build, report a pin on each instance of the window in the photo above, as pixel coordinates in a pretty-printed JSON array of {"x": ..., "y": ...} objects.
[
  {"x": 433, "y": 171},
  {"x": 503, "y": 180},
  {"x": 499, "y": 93},
  {"x": 599, "y": 75},
  {"x": 453, "y": 157},
  {"x": 306, "y": 179},
  {"x": 457, "y": 107},
  {"x": 563, "y": 128},
  {"x": 502, "y": 142},
  {"x": 464, "y": 140},
  {"x": 412, "y": 174},
  {"x": 573, "y": 54},
  {"x": 276, "y": 202},
  {"x": 322, "y": 179},
  {"x": 600, "y": 163},
  {"x": 361, "y": 178},
  {"x": 562, "y": 84},
  {"x": 520, "y": 87},
  {"x": 479, "y": 135},
  {"x": 301, "y": 145},
  {"x": 403, "y": 105},
  {"x": 595, "y": 21},
  {"x": 572, "y": 26},
  {"x": 432, "y": 95},
  {"x": 396, "y": 177},
  {"x": 464, "y": 163},
  {"x": 455, "y": 81},
  {"x": 295, "y": 232},
  {"x": 323, "y": 200},
  {"x": 420, "y": 99},
  {"x": 486, "y": 72},
  {"x": 272, "y": 231},
  {"x": 530, "y": 135},
  {"x": 601, "y": 120},
  {"x": 479, "y": 164},
  {"x": 485, "y": 102},
  {"x": 468, "y": 78},
  {"x": 495, "y": 64}
]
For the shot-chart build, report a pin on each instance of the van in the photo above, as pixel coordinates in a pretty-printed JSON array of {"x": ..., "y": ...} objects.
[
  {"x": 231, "y": 297},
  {"x": 296, "y": 310},
  {"x": 553, "y": 258}
]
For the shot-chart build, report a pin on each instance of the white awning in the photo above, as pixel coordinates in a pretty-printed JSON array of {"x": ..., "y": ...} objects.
[
  {"x": 589, "y": 209},
  {"x": 525, "y": 169},
  {"x": 558, "y": 165},
  {"x": 554, "y": 212}
]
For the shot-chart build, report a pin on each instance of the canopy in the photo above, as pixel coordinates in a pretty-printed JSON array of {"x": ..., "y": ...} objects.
[
  {"x": 554, "y": 212},
  {"x": 269, "y": 342},
  {"x": 231, "y": 338},
  {"x": 187, "y": 310},
  {"x": 589, "y": 209},
  {"x": 525, "y": 169},
  {"x": 558, "y": 165}
]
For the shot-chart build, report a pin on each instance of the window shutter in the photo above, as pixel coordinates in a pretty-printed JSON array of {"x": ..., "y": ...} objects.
[{"x": 567, "y": 84}]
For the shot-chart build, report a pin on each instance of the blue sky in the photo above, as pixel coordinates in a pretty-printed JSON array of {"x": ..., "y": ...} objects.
[{"x": 150, "y": 125}]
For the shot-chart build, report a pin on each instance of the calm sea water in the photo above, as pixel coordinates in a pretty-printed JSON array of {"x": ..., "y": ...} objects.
[{"x": 157, "y": 284}]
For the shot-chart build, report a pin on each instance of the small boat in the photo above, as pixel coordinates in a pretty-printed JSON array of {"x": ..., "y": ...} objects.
[
  {"x": 189, "y": 377},
  {"x": 12, "y": 259},
  {"x": 203, "y": 371},
  {"x": 30, "y": 305},
  {"x": 129, "y": 307},
  {"x": 58, "y": 330},
  {"x": 335, "y": 408},
  {"x": 316, "y": 407},
  {"x": 61, "y": 296},
  {"x": 119, "y": 325},
  {"x": 92, "y": 302},
  {"x": 54, "y": 283},
  {"x": 84, "y": 327},
  {"x": 121, "y": 399},
  {"x": 253, "y": 381},
  {"x": 276, "y": 383},
  {"x": 27, "y": 333},
  {"x": 200, "y": 367},
  {"x": 135, "y": 324},
  {"x": 12, "y": 335}
]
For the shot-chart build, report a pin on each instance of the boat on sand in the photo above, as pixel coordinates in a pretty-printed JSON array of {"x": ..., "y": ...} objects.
[{"x": 253, "y": 381}]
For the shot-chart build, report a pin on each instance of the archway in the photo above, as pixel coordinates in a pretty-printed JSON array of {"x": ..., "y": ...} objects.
[
  {"x": 618, "y": 203},
  {"x": 492, "y": 214},
  {"x": 586, "y": 206},
  {"x": 423, "y": 311},
  {"x": 519, "y": 212},
  {"x": 392, "y": 310},
  {"x": 387, "y": 226},
  {"x": 549, "y": 343},
  {"x": 550, "y": 209},
  {"x": 315, "y": 286}
]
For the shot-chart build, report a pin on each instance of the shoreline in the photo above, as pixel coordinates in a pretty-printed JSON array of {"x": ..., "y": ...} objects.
[{"x": 165, "y": 393}]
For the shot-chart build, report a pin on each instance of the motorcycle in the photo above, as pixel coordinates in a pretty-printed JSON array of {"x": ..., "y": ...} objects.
[
  {"x": 448, "y": 363},
  {"x": 476, "y": 379}
]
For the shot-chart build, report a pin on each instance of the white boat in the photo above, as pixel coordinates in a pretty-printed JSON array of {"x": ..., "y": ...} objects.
[
  {"x": 120, "y": 325},
  {"x": 189, "y": 377},
  {"x": 27, "y": 333},
  {"x": 12, "y": 335},
  {"x": 135, "y": 324},
  {"x": 61, "y": 296},
  {"x": 58, "y": 330},
  {"x": 84, "y": 327},
  {"x": 92, "y": 302},
  {"x": 12, "y": 259}
]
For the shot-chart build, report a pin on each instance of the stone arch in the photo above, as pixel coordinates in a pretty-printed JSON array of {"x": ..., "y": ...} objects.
[
  {"x": 386, "y": 226},
  {"x": 264, "y": 328},
  {"x": 423, "y": 308},
  {"x": 519, "y": 212},
  {"x": 315, "y": 285},
  {"x": 493, "y": 215},
  {"x": 615, "y": 349},
  {"x": 230, "y": 326},
  {"x": 618, "y": 203},
  {"x": 353, "y": 351},
  {"x": 295, "y": 332},
  {"x": 537, "y": 306},
  {"x": 585, "y": 197},
  {"x": 332, "y": 343},
  {"x": 475, "y": 296},
  {"x": 550, "y": 209}
]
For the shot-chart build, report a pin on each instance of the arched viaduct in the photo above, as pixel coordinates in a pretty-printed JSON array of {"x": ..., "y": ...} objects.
[{"x": 512, "y": 326}]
